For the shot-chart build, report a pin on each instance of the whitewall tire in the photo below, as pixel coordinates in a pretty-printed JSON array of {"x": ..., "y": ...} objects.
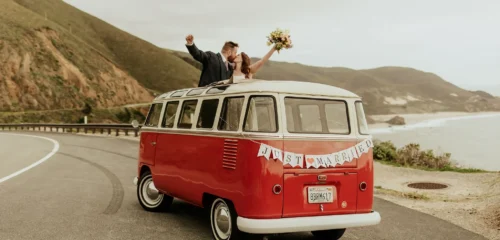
[
  {"x": 149, "y": 197},
  {"x": 223, "y": 218}
]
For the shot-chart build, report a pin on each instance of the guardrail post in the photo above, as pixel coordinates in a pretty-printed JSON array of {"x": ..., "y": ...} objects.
[
  {"x": 126, "y": 132},
  {"x": 85, "y": 130},
  {"x": 102, "y": 131},
  {"x": 93, "y": 131},
  {"x": 109, "y": 131},
  {"x": 117, "y": 131},
  {"x": 77, "y": 130},
  {"x": 136, "y": 132}
]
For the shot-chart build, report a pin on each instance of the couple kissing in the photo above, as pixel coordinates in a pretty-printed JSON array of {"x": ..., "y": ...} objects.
[{"x": 226, "y": 64}]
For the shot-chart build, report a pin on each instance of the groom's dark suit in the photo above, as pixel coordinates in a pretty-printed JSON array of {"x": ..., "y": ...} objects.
[{"x": 214, "y": 68}]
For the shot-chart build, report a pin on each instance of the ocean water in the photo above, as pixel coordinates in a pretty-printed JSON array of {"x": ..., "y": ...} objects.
[{"x": 473, "y": 141}]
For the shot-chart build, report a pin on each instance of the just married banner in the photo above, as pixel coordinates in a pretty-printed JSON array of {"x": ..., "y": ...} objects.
[{"x": 316, "y": 161}]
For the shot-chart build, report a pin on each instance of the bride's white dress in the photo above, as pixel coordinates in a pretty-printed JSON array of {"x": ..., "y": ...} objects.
[{"x": 240, "y": 78}]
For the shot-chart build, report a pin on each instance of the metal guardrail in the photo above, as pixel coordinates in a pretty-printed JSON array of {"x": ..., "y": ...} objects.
[{"x": 109, "y": 128}]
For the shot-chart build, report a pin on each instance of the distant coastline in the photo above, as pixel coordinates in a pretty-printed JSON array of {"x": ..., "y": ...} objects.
[{"x": 422, "y": 120}]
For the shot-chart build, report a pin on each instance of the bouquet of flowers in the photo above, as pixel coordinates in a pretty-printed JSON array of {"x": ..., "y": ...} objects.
[{"x": 280, "y": 39}]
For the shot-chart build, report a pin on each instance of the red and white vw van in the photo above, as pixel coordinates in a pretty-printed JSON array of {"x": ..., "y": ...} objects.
[{"x": 265, "y": 157}]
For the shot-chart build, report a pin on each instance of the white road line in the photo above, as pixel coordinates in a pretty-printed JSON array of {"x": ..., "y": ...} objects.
[{"x": 54, "y": 150}]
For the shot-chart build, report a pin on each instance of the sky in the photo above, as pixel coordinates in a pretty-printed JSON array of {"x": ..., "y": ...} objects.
[{"x": 456, "y": 39}]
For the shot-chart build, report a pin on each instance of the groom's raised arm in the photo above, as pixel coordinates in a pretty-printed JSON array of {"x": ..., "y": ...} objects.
[{"x": 197, "y": 54}]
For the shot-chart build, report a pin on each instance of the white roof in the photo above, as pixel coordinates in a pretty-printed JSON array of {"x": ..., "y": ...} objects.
[
  {"x": 295, "y": 87},
  {"x": 281, "y": 86}
]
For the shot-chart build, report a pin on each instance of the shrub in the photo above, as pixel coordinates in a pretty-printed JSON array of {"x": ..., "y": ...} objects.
[
  {"x": 384, "y": 151},
  {"x": 412, "y": 156}
]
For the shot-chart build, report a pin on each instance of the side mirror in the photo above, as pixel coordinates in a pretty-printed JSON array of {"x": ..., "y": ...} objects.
[{"x": 135, "y": 124}]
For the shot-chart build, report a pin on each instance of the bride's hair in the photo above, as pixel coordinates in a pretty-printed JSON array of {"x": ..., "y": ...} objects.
[{"x": 245, "y": 64}]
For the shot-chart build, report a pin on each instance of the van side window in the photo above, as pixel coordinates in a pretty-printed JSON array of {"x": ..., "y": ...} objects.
[
  {"x": 169, "y": 116},
  {"x": 360, "y": 115},
  {"x": 186, "y": 119},
  {"x": 207, "y": 113},
  {"x": 154, "y": 115},
  {"x": 261, "y": 115},
  {"x": 230, "y": 115}
]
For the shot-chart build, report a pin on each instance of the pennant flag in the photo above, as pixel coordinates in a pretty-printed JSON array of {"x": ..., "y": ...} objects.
[
  {"x": 310, "y": 161},
  {"x": 289, "y": 159},
  {"x": 321, "y": 161},
  {"x": 345, "y": 156},
  {"x": 299, "y": 160},
  {"x": 337, "y": 159},
  {"x": 277, "y": 154},
  {"x": 329, "y": 160},
  {"x": 362, "y": 148},
  {"x": 353, "y": 152},
  {"x": 264, "y": 151},
  {"x": 369, "y": 143}
]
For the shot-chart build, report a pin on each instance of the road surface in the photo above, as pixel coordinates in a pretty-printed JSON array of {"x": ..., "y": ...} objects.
[{"x": 65, "y": 186}]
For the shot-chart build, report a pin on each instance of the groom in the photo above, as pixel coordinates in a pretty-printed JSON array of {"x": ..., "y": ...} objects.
[{"x": 216, "y": 66}]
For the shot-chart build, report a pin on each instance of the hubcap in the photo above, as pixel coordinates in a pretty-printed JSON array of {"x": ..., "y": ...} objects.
[
  {"x": 222, "y": 221},
  {"x": 150, "y": 194}
]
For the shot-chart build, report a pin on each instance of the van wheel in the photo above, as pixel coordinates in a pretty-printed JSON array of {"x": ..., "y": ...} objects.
[
  {"x": 149, "y": 197},
  {"x": 333, "y": 234},
  {"x": 223, "y": 221}
]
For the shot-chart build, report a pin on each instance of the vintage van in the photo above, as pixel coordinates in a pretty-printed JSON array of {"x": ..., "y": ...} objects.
[{"x": 265, "y": 157}]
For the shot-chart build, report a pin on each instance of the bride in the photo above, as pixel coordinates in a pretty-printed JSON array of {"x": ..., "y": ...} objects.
[{"x": 245, "y": 69}]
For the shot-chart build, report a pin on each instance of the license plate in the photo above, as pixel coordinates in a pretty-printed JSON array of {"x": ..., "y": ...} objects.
[{"x": 320, "y": 194}]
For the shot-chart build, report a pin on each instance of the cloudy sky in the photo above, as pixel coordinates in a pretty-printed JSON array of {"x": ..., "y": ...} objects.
[{"x": 456, "y": 39}]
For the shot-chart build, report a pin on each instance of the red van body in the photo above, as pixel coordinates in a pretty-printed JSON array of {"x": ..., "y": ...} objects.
[{"x": 231, "y": 142}]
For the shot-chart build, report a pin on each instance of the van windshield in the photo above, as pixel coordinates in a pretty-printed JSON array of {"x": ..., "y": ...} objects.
[{"x": 318, "y": 116}]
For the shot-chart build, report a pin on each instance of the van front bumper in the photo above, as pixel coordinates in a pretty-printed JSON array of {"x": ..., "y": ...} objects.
[{"x": 305, "y": 224}]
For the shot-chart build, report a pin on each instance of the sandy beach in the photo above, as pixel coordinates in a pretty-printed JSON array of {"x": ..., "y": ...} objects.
[{"x": 470, "y": 200}]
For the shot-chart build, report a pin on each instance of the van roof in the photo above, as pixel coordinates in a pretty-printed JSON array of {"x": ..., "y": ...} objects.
[{"x": 259, "y": 85}]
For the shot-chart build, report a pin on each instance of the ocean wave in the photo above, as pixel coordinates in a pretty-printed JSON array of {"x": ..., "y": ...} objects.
[{"x": 429, "y": 123}]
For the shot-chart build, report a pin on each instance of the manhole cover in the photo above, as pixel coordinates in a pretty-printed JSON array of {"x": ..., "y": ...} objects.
[{"x": 427, "y": 185}]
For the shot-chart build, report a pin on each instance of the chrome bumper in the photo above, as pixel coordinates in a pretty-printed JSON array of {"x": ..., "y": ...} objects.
[
  {"x": 305, "y": 224},
  {"x": 136, "y": 179}
]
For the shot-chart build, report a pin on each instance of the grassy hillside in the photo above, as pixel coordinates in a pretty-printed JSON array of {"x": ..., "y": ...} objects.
[
  {"x": 55, "y": 56},
  {"x": 150, "y": 65}
]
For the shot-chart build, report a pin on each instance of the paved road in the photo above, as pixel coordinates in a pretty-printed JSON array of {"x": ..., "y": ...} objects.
[{"x": 85, "y": 191}]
